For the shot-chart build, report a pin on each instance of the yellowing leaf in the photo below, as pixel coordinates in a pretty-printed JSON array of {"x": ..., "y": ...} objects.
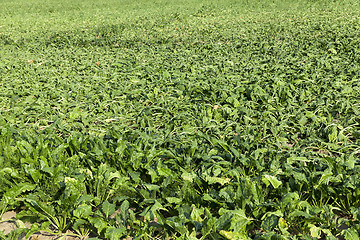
[
  {"x": 233, "y": 235},
  {"x": 212, "y": 180}
]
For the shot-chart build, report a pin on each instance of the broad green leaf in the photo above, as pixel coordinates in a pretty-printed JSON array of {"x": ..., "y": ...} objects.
[
  {"x": 74, "y": 186},
  {"x": 350, "y": 234},
  {"x": 44, "y": 209},
  {"x": 173, "y": 200},
  {"x": 152, "y": 187},
  {"x": 207, "y": 197},
  {"x": 152, "y": 212},
  {"x": 256, "y": 192},
  {"x": 333, "y": 134},
  {"x": 270, "y": 222},
  {"x": 196, "y": 213},
  {"x": 356, "y": 213},
  {"x": 33, "y": 229},
  {"x": 113, "y": 233},
  {"x": 299, "y": 213},
  {"x": 238, "y": 219},
  {"x": 326, "y": 177},
  {"x": 83, "y": 211},
  {"x": 10, "y": 195},
  {"x": 290, "y": 200},
  {"x": 108, "y": 208},
  {"x": 124, "y": 209},
  {"x": 98, "y": 223},
  {"x": 350, "y": 161},
  {"x": 34, "y": 173},
  {"x": 268, "y": 179},
  {"x": 303, "y": 120},
  {"x": 10, "y": 171}
]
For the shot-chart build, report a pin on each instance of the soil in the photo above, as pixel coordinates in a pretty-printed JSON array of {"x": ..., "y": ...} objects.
[{"x": 7, "y": 225}]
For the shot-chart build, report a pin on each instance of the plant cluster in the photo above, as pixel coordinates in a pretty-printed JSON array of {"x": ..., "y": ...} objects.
[{"x": 202, "y": 123}]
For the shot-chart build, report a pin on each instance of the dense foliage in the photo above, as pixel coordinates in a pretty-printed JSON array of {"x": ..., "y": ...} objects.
[{"x": 216, "y": 120}]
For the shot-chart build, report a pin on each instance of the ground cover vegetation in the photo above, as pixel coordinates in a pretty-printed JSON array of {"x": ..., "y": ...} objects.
[{"x": 181, "y": 119}]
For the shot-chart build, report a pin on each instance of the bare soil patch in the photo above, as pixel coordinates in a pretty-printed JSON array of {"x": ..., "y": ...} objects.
[{"x": 8, "y": 224}]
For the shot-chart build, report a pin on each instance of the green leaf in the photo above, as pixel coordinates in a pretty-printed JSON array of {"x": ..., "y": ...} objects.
[
  {"x": 350, "y": 161},
  {"x": 83, "y": 211},
  {"x": 356, "y": 213},
  {"x": 326, "y": 177},
  {"x": 350, "y": 234},
  {"x": 98, "y": 223},
  {"x": 10, "y": 195},
  {"x": 270, "y": 222},
  {"x": 153, "y": 211},
  {"x": 256, "y": 192},
  {"x": 152, "y": 187},
  {"x": 174, "y": 200},
  {"x": 10, "y": 171},
  {"x": 74, "y": 189},
  {"x": 299, "y": 213},
  {"x": 33, "y": 229},
  {"x": 44, "y": 209},
  {"x": 108, "y": 208},
  {"x": 268, "y": 179},
  {"x": 302, "y": 120},
  {"x": 196, "y": 213},
  {"x": 113, "y": 233},
  {"x": 34, "y": 173},
  {"x": 333, "y": 134},
  {"x": 124, "y": 210},
  {"x": 207, "y": 197},
  {"x": 290, "y": 200},
  {"x": 237, "y": 218}
]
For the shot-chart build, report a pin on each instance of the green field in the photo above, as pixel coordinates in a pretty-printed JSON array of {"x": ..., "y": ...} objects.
[{"x": 181, "y": 119}]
